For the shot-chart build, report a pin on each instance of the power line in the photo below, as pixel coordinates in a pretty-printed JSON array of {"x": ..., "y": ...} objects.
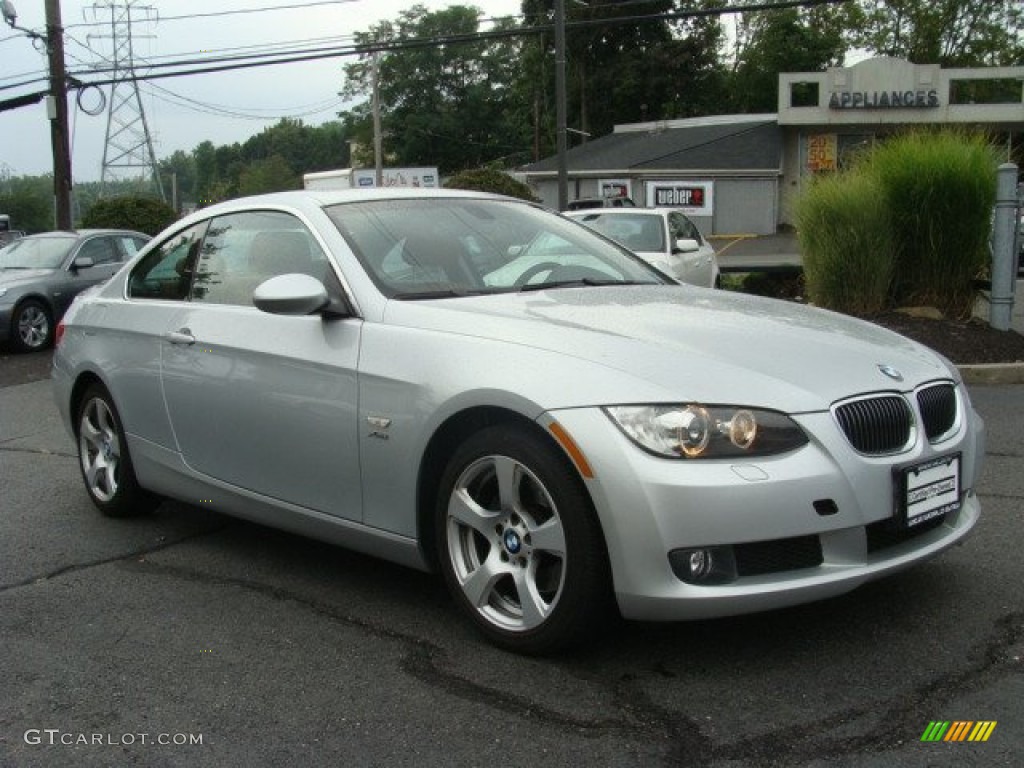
[
  {"x": 239, "y": 12},
  {"x": 231, "y": 63}
]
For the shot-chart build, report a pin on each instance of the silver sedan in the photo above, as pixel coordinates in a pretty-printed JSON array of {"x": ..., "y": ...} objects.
[{"x": 472, "y": 384}]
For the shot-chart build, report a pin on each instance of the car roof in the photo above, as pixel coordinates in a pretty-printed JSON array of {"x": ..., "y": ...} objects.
[
  {"x": 84, "y": 233},
  {"x": 620, "y": 212},
  {"x": 322, "y": 198}
]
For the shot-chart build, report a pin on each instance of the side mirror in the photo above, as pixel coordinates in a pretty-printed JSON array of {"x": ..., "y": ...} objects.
[
  {"x": 686, "y": 245},
  {"x": 83, "y": 262},
  {"x": 293, "y": 294}
]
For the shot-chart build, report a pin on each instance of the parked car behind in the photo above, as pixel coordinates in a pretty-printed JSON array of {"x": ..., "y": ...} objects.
[
  {"x": 664, "y": 237},
  {"x": 473, "y": 384},
  {"x": 41, "y": 274},
  {"x": 582, "y": 203}
]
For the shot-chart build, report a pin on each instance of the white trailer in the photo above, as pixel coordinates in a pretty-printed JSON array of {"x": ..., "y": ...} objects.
[{"x": 366, "y": 178}]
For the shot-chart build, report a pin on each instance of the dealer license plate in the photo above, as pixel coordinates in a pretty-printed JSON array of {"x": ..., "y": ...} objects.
[{"x": 929, "y": 490}]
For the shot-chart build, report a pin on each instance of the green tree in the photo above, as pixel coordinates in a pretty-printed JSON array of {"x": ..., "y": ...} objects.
[
  {"x": 145, "y": 214},
  {"x": 272, "y": 174},
  {"x": 622, "y": 69},
  {"x": 953, "y": 33},
  {"x": 788, "y": 40},
  {"x": 28, "y": 200},
  {"x": 491, "y": 180},
  {"x": 442, "y": 104}
]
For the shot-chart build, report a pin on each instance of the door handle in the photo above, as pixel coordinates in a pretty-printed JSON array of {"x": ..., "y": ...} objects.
[{"x": 181, "y": 337}]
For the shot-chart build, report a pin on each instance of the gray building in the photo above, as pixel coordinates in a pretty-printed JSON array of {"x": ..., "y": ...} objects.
[{"x": 735, "y": 174}]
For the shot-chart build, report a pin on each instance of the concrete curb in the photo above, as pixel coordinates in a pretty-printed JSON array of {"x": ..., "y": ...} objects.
[{"x": 992, "y": 373}]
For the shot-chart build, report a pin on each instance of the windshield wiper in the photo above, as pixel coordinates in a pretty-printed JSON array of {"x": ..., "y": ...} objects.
[
  {"x": 578, "y": 282},
  {"x": 441, "y": 293}
]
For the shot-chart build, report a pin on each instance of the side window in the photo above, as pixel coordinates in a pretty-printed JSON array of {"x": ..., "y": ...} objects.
[
  {"x": 683, "y": 227},
  {"x": 166, "y": 271},
  {"x": 242, "y": 250},
  {"x": 99, "y": 249},
  {"x": 128, "y": 246}
]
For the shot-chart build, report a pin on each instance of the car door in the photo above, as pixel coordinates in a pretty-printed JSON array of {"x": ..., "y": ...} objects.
[
  {"x": 697, "y": 266},
  {"x": 105, "y": 259},
  {"x": 263, "y": 402}
]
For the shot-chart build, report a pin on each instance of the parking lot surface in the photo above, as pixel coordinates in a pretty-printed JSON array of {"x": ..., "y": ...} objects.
[{"x": 189, "y": 638}]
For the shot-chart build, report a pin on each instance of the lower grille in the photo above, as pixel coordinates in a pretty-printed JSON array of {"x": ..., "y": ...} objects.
[
  {"x": 887, "y": 533},
  {"x": 761, "y": 557},
  {"x": 877, "y": 425}
]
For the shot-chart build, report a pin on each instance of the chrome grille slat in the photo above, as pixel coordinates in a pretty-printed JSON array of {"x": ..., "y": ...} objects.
[{"x": 876, "y": 425}]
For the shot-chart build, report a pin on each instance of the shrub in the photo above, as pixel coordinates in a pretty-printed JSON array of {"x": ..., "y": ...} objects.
[
  {"x": 940, "y": 188},
  {"x": 491, "y": 180},
  {"x": 846, "y": 242},
  {"x": 144, "y": 214}
]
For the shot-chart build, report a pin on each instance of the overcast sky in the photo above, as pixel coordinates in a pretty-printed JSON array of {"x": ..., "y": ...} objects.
[{"x": 304, "y": 90}]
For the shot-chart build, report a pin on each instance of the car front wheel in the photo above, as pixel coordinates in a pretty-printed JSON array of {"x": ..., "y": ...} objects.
[
  {"x": 31, "y": 326},
  {"x": 104, "y": 460},
  {"x": 520, "y": 546}
]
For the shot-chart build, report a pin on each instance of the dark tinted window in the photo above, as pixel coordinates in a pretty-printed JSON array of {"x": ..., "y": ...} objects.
[
  {"x": 166, "y": 271},
  {"x": 100, "y": 249}
]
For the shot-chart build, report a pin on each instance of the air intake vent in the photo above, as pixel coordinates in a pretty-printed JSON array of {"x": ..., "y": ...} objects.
[
  {"x": 876, "y": 426},
  {"x": 938, "y": 410}
]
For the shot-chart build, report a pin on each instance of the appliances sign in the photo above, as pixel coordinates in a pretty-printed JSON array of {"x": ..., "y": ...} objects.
[{"x": 692, "y": 197}]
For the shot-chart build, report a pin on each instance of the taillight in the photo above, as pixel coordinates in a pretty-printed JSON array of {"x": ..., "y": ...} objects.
[{"x": 59, "y": 334}]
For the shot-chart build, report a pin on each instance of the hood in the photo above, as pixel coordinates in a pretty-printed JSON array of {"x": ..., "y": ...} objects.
[{"x": 696, "y": 344}]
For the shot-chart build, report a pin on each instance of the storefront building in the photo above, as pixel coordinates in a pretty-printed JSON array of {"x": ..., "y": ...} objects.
[{"x": 735, "y": 174}]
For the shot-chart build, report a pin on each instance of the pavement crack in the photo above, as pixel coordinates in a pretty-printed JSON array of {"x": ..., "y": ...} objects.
[
  {"x": 75, "y": 567},
  {"x": 639, "y": 719},
  {"x": 894, "y": 721},
  {"x": 34, "y": 451}
]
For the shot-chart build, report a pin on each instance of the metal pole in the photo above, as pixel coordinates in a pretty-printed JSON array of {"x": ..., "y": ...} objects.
[
  {"x": 1004, "y": 262},
  {"x": 58, "y": 99},
  {"x": 378, "y": 141},
  {"x": 560, "y": 118}
]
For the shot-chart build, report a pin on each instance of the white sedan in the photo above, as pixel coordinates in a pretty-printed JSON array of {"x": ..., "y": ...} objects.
[{"x": 664, "y": 237}]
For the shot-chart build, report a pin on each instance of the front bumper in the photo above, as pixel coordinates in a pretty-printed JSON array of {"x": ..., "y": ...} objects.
[{"x": 650, "y": 506}]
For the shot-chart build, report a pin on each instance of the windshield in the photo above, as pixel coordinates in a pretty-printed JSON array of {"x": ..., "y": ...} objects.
[
  {"x": 636, "y": 231},
  {"x": 36, "y": 253},
  {"x": 430, "y": 247}
]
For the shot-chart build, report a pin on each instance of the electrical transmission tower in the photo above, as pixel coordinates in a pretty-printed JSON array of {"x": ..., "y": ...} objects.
[{"x": 128, "y": 152}]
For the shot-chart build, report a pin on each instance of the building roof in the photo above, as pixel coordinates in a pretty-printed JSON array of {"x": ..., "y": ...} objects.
[{"x": 725, "y": 142}]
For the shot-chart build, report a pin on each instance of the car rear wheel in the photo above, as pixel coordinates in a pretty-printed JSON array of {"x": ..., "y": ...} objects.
[
  {"x": 520, "y": 546},
  {"x": 104, "y": 460},
  {"x": 31, "y": 326}
]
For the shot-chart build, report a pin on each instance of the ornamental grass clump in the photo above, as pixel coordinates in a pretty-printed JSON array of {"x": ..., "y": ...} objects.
[
  {"x": 844, "y": 232},
  {"x": 940, "y": 189}
]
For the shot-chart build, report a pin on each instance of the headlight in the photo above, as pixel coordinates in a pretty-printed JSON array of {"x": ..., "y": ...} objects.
[
  {"x": 694, "y": 431},
  {"x": 3, "y": 292}
]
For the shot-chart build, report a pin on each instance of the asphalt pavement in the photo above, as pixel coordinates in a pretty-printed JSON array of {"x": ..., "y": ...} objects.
[{"x": 191, "y": 639}]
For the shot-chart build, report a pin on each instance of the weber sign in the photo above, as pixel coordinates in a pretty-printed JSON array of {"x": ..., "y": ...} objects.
[{"x": 692, "y": 197}]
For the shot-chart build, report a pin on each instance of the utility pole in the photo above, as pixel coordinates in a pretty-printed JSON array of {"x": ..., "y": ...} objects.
[
  {"x": 560, "y": 116},
  {"x": 57, "y": 111},
  {"x": 378, "y": 139}
]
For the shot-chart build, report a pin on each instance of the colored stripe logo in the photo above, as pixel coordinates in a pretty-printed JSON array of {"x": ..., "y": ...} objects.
[{"x": 958, "y": 730}]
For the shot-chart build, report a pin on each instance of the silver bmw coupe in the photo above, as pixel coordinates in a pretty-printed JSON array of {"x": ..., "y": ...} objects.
[{"x": 475, "y": 385}]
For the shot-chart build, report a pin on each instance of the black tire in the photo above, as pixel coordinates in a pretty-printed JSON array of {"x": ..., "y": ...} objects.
[
  {"x": 541, "y": 541},
  {"x": 104, "y": 460},
  {"x": 31, "y": 326}
]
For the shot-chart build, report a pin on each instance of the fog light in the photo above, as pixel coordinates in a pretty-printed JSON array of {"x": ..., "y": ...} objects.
[{"x": 703, "y": 565}]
